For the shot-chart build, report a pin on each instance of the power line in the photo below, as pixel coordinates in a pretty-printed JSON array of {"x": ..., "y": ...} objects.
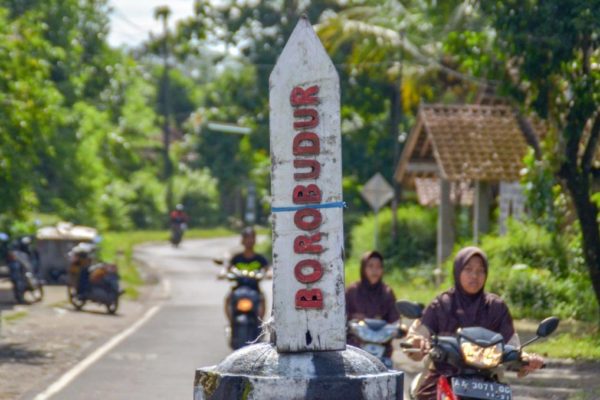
[{"x": 119, "y": 14}]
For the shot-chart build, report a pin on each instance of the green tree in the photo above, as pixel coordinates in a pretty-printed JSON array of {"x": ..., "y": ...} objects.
[
  {"x": 544, "y": 55},
  {"x": 29, "y": 109}
]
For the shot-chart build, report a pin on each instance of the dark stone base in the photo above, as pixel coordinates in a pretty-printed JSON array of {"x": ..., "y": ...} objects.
[{"x": 259, "y": 372}]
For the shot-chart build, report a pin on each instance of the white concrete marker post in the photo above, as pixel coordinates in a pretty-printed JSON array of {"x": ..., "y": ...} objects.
[
  {"x": 306, "y": 187},
  {"x": 309, "y": 358}
]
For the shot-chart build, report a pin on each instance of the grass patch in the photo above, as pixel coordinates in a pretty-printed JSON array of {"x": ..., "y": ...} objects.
[
  {"x": 589, "y": 394},
  {"x": 569, "y": 345},
  {"x": 117, "y": 247},
  {"x": 573, "y": 339},
  {"x": 14, "y": 316}
]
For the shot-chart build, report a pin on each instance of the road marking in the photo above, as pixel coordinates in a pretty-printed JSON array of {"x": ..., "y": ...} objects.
[
  {"x": 166, "y": 286},
  {"x": 95, "y": 356}
]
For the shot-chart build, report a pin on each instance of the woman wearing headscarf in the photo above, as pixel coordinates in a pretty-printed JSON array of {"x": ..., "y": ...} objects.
[
  {"x": 370, "y": 297},
  {"x": 464, "y": 305}
]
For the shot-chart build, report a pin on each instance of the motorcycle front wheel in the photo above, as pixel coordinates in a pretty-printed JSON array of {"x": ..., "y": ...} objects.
[
  {"x": 111, "y": 308},
  {"x": 34, "y": 295},
  {"x": 35, "y": 290},
  {"x": 74, "y": 299}
]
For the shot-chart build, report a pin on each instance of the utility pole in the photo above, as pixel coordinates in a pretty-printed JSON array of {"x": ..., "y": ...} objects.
[
  {"x": 395, "y": 120},
  {"x": 163, "y": 13}
]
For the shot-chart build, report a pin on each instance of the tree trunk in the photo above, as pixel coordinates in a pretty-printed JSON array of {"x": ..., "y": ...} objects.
[{"x": 578, "y": 185}]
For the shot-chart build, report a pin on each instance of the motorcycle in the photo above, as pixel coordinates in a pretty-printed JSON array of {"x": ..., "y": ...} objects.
[
  {"x": 374, "y": 335},
  {"x": 103, "y": 286},
  {"x": 177, "y": 230},
  {"x": 243, "y": 307},
  {"x": 478, "y": 355},
  {"x": 27, "y": 287}
]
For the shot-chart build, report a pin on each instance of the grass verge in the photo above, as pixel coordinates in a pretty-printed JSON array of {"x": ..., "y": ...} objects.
[
  {"x": 573, "y": 339},
  {"x": 7, "y": 318},
  {"x": 117, "y": 247}
]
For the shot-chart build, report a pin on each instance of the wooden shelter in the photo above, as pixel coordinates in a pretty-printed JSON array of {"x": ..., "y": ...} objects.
[{"x": 464, "y": 149}]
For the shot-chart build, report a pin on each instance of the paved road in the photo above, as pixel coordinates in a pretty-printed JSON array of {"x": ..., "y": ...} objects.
[{"x": 158, "y": 360}]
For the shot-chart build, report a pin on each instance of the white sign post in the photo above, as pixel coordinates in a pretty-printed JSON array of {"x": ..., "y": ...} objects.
[
  {"x": 306, "y": 186},
  {"x": 309, "y": 358},
  {"x": 377, "y": 192}
]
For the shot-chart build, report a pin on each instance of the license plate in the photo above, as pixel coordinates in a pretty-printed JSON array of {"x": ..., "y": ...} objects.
[
  {"x": 481, "y": 389},
  {"x": 374, "y": 349}
]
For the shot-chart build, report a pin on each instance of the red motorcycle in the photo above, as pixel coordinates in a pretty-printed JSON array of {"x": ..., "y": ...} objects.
[{"x": 477, "y": 354}]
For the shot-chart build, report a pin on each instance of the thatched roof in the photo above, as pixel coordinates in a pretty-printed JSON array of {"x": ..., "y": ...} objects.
[
  {"x": 428, "y": 192},
  {"x": 464, "y": 143}
]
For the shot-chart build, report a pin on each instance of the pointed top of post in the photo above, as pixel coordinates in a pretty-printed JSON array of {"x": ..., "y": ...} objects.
[{"x": 304, "y": 56}]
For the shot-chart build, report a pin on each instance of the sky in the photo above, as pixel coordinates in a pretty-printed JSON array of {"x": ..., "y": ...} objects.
[{"x": 132, "y": 20}]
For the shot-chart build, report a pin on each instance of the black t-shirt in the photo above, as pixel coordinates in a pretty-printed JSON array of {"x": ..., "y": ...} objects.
[{"x": 253, "y": 263}]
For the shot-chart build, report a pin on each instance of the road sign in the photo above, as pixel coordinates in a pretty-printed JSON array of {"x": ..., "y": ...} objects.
[
  {"x": 377, "y": 192},
  {"x": 306, "y": 187}
]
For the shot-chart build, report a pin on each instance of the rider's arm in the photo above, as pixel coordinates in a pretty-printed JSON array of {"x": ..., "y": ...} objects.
[
  {"x": 515, "y": 341},
  {"x": 419, "y": 337},
  {"x": 533, "y": 362},
  {"x": 391, "y": 315}
]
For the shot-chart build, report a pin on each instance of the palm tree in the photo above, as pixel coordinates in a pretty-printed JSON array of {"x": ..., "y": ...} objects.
[{"x": 381, "y": 35}]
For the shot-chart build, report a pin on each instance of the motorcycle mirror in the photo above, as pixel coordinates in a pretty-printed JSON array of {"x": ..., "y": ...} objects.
[
  {"x": 409, "y": 309},
  {"x": 547, "y": 326}
]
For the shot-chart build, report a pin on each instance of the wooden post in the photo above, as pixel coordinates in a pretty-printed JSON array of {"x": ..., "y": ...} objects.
[
  {"x": 445, "y": 229},
  {"x": 481, "y": 209},
  {"x": 306, "y": 188}
]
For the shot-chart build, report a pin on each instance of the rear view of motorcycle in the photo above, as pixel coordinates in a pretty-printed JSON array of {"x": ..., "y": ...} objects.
[
  {"x": 100, "y": 283},
  {"x": 478, "y": 356},
  {"x": 177, "y": 230}
]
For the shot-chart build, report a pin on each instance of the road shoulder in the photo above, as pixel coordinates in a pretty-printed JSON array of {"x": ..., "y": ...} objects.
[{"x": 46, "y": 340}]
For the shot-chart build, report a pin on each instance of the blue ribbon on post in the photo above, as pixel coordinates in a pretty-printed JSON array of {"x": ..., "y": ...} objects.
[{"x": 335, "y": 204}]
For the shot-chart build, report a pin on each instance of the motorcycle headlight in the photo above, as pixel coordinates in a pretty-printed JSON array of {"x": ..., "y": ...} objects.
[
  {"x": 481, "y": 357},
  {"x": 244, "y": 305}
]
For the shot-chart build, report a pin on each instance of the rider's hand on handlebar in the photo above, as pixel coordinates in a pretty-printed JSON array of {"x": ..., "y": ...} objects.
[
  {"x": 420, "y": 347},
  {"x": 531, "y": 363}
]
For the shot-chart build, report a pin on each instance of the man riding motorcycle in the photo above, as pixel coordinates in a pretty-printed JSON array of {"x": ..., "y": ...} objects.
[
  {"x": 178, "y": 222},
  {"x": 248, "y": 260}
]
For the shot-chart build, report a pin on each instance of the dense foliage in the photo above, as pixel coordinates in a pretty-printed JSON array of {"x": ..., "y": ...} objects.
[
  {"x": 544, "y": 55},
  {"x": 416, "y": 236},
  {"x": 539, "y": 274},
  {"x": 79, "y": 134}
]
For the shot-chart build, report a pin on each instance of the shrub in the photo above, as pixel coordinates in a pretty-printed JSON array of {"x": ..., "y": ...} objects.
[
  {"x": 147, "y": 207},
  {"x": 416, "y": 236}
]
